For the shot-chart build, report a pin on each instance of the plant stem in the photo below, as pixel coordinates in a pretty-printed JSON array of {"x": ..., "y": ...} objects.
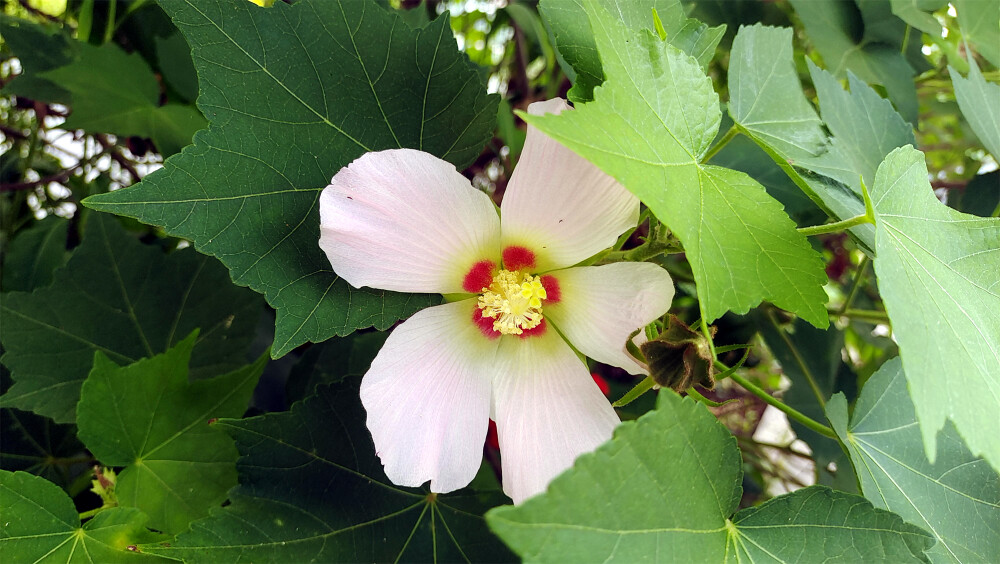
[
  {"x": 733, "y": 131},
  {"x": 863, "y": 315},
  {"x": 92, "y": 512},
  {"x": 801, "y": 362},
  {"x": 790, "y": 411},
  {"x": 835, "y": 226},
  {"x": 855, "y": 286},
  {"x": 634, "y": 393}
]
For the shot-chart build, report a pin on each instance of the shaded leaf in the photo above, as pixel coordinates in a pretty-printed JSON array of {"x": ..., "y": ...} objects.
[
  {"x": 312, "y": 489},
  {"x": 294, "y": 93},
  {"x": 38, "y": 47},
  {"x": 742, "y": 247},
  {"x": 937, "y": 271},
  {"x": 148, "y": 418},
  {"x": 916, "y": 13},
  {"x": 666, "y": 486},
  {"x": 957, "y": 499},
  {"x": 115, "y": 92},
  {"x": 35, "y": 254},
  {"x": 41, "y": 525},
  {"x": 38, "y": 445},
  {"x": 127, "y": 300},
  {"x": 981, "y": 196},
  {"x": 980, "y": 104},
  {"x": 574, "y": 39},
  {"x": 332, "y": 361},
  {"x": 977, "y": 20}
]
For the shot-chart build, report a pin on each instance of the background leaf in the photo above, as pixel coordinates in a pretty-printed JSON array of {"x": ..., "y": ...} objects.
[
  {"x": 742, "y": 247},
  {"x": 37, "y": 445},
  {"x": 976, "y": 18},
  {"x": 34, "y": 255},
  {"x": 957, "y": 499},
  {"x": 148, "y": 418},
  {"x": 980, "y": 103},
  {"x": 39, "y": 48},
  {"x": 41, "y": 525},
  {"x": 622, "y": 503},
  {"x": 127, "y": 300},
  {"x": 294, "y": 93},
  {"x": 936, "y": 269},
  {"x": 312, "y": 489}
]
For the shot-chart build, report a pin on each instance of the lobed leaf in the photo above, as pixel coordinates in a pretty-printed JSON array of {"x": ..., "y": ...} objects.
[{"x": 980, "y": 104}]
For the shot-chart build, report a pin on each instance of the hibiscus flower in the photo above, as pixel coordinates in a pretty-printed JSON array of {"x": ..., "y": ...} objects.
[{"x": 506, "y": 345}]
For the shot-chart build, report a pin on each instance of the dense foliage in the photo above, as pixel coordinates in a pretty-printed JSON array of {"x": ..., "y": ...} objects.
[{"x": 181, "y": 365}]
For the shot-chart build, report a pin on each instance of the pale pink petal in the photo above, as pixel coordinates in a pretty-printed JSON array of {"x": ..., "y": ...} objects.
[
  {"x": 427, "y": 395},
  {"x": 548, "y": 411},
  {"x": 407, "y": 221},
  {"x": 599, "y": 306},
  {"x": 559, "y": 205}
]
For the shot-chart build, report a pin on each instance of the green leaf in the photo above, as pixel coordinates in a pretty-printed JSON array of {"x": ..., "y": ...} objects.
[
  {"x": 957, "y": 499},
  {"x": 981, "y": 196},
  {"x": 332, "y": 361},
  {"x": 115, "y": 92},
  {"x": 742, "y": 247},
  {"x": 577, "y": 47},
  {"x": 173, "y": 55},
  {"x": 666, "y": 486},
  {"x": 980, "y": 104},
  {"x": 127, "y": 300},
  {"x": 937, "y": 271},
  {"x": 312, "y": 489},
  {"x": 39, "y": 47},
  {"x": 148, "y": 418},
  {"x": 41, "y": 525},
  {"x": 977, "y": 19},
  {"x": 864, "y": 41},
  {"x": 294, "y": 93},
  {"x": 38, "y": 445},
  {"x": 35, "y": 254},
  {"x": 916, "y": 13}
]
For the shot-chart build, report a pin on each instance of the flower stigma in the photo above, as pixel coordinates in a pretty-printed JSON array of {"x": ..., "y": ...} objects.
[{"x": 514, "y": 302}]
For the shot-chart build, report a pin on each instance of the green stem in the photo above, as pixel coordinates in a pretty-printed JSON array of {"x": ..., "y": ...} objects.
[
  {"x": 92, "y": 512},
  {"x": 789, "y": 411},
  {"x": 856, "y": 285},
  {"x": 733, "y": 131},
  {"x": 835, "y": 226},
  {"x": 801, "y": 362},
  {"x": 863, "y": 315},
  {"x": 634, "y": 393},
  {"x": 708, "y": 337}
]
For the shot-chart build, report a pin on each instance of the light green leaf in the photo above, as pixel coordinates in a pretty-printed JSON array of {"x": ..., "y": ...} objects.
[
  {"x": 35, "y": 254},
  {"x": 148, "y": 418},
  {"x": 312, "y": 490},
  {"x": 41, "y": 525},
  {"x": 115, "y": 92},
  {"x": 978, "y": 22},
  {"x": 574, "y": 39},
  {"x": 295, "y": 93},
  {"x": 937, "y": 271},
  {"x": 665, "y": 487},
  {"x": 863, "y": 41},
  {"x": 916, "y": 13},
  {"x": 980, "y": 104},
  {"x": 742, "y": 247},
  {"x": 127, "y": 300},
  {"x": 957, "y": 499}
]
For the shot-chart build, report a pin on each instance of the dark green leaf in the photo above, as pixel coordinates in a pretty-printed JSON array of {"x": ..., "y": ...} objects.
[
  {"x": 332, "y": 361},
  {"x": 742, "y": 247},
  {"x": 312, "y": 489},
  {"x": 127, "y": 300},
  {"x": 34, "y": 255},
  {"x": 41, "y": 525},
  {"x": 957, "y": 498},
  {"x": 665, "y": 488},
  {"x": 38, "y": 445},
  {"x": 980, "y": 103},
  {"x": 173, "y": 55},
  {"x": 937, "y": 271},
  {"x": 294, "y": 93},
  {"x": 38, "y": 47},
  {"x": 981, "y": 196},
  {"x": 115, "y": 92},
  {"x": 148, "y": 418}
]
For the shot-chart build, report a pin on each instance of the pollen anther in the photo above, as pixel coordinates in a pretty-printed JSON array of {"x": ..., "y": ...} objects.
[{"x": 514, "y": 302}]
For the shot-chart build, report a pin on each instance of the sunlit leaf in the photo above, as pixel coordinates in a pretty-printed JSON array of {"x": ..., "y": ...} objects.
[
  {"x": 937, "y": 272},
  {"x": 742, "y": 247},
  {"x": 127, "y": 300},
  {"x": 312, "y": 489},
  {"x": 41, "y": 525},
  {"x": 150, "y": 419},
  {"x": 294, "y": 93},
  {"x": 664, "y": 489},
  {"x": 957, "y": 499}
]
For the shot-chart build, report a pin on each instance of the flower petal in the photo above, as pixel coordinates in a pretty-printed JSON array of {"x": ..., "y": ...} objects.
[
  {"x": 601, "y": 305},
  {"x": 559, "y": 205},
  {"x": 548, "y": 411},
  {"x": 407, "y": 221},
  {"x": 428, "y": 398}
]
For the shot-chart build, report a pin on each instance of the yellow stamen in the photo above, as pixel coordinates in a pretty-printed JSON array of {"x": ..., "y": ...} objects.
[{"x": 514, "y": 302}]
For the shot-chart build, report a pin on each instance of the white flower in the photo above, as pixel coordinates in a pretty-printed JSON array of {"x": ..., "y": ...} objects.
[{"x": 407, "y": 221}]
